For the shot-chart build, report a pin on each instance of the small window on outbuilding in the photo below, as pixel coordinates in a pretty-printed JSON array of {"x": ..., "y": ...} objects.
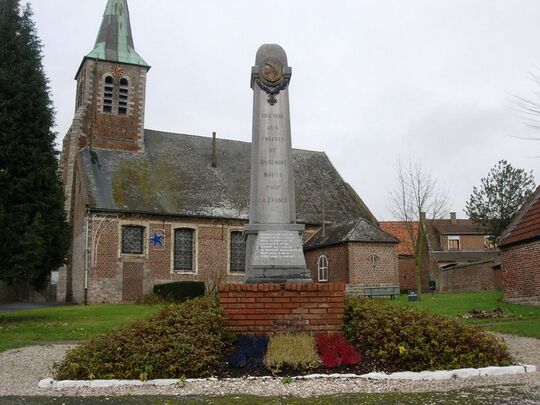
[
  {"x": 184, "y": 249},
  {"x": 132, "y": 239},
  {"x": 453, "y": 243},
  {"x": 108, "y": 92},
  {"x": 322, "y": 267},
  {"x": 237, "y": 252},
  {"x": 123, "y": 92}
]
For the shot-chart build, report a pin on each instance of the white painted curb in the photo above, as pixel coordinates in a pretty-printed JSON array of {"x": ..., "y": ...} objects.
[{"x": 402, "y": 375}]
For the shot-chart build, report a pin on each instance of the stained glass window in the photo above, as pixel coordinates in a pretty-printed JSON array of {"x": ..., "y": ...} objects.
[
  {"x": 132, "y": 239},
  {"x": 238, "y": 252},
  {"x": 183, "y": 249}
]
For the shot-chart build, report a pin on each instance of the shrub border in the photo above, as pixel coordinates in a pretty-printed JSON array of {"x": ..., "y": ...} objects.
[{"x": 49, "y": 383}]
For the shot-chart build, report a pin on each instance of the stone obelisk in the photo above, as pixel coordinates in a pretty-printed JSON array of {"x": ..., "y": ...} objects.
[{"x": 274, "y": 251}]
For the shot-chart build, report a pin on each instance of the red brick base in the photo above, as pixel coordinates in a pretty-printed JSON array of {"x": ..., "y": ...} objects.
[{"x": 271, "y": 308}]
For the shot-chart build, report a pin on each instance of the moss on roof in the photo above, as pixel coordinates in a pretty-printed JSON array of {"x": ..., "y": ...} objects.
[{"x": 174, "y": 176}]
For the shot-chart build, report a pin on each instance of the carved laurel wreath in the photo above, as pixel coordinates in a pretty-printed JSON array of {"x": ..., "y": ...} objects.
[{"x": 273, "y": 91}]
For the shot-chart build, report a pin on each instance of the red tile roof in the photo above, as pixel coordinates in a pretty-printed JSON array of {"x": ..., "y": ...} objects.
[
  {"x": 526, "y": 224},
  {"x": 398, "y": 229}
]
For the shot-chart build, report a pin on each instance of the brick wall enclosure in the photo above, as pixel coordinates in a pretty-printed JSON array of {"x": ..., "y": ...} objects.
[
  {"x": 274, "y": 308},
  {"x": 407, "y": 273},
  {"x": 521, "y": 273},
  {"x": 475, "y": 277}
]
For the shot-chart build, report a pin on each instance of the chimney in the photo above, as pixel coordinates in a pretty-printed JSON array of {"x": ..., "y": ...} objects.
[
  {"x": 453, "y": 218},
  {"x": 214, "y": 157}
]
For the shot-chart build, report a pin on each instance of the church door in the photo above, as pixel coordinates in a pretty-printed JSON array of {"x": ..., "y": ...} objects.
[{"x": 133, "y": 281}]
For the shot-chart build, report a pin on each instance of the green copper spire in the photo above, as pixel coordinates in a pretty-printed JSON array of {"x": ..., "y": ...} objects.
[{"x": 114, "y": 42}]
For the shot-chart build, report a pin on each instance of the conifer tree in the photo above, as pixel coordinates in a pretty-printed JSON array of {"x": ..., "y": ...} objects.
[
  {"x": 34, "y": 235},
  {"x": 501, "y": 193}
]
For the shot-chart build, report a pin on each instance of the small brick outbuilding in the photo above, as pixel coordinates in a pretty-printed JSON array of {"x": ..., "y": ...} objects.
[
  {"x": 520, "y": 254},
  {"x": 355, "y": 252}
]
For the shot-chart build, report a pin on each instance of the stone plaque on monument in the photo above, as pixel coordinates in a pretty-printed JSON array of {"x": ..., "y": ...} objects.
[{"x": 274, "y": 251}]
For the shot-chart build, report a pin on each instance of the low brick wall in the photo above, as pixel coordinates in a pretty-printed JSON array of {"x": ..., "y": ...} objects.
[{"x": 273, "y": 308}]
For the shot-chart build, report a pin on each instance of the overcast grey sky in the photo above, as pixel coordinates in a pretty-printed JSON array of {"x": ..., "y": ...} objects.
[{"x": 373, "y": 81}]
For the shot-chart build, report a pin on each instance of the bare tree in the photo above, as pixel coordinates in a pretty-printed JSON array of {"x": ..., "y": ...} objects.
[
  {"x": 417, "y": 192},
  {"x": 529, "y": 107}
]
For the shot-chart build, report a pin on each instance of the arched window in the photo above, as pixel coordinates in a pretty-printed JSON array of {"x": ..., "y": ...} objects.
[
  {"x": 123, "y": 96},
  {"x": 108, "y": 90},
  {"x": 322, "y": 266}
]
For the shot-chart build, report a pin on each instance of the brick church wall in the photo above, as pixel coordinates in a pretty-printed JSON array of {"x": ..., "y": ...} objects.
[
  {"x": 521, "y": 272},
  {"x": 106, "y": 264}
]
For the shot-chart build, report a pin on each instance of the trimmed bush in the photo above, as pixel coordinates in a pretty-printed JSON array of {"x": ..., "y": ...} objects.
[
  {"x": 249, "y": 352},
  {"x": 151, "y": 299},
  {"x": 182, "y": 340},
  {"x": 395, "y": 337},
  {"x": 291, "y": 351},
  {"x": 336, "y": 351},
  {"x": 179, "y": 291}
]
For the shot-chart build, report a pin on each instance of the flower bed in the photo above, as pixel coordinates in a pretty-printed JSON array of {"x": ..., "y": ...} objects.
[{"x": 191, "y": 340}]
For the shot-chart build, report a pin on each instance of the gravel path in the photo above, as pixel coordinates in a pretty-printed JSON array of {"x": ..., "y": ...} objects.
[{"x": 21, "y": 369}]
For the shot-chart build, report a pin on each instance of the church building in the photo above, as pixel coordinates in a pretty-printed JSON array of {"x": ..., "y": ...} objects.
[{"x": 149, "y": 207}]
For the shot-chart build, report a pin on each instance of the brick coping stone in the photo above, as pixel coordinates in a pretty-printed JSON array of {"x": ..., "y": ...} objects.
[{"x": 49, "y": 383}]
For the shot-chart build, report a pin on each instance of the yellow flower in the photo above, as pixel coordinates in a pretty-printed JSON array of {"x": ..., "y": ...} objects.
[{"x": 402, "y": 350}]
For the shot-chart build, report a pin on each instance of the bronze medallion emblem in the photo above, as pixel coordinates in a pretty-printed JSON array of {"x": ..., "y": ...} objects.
[{"x": 272, "y": 71}]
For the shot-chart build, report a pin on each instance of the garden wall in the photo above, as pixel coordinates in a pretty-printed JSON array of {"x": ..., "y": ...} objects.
[
  {"x": 272, "y": 308},
  {"x": 472, "y": 277}
]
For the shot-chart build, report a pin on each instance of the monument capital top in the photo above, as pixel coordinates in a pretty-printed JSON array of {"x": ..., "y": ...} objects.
[{"x": 271, "y": 51}]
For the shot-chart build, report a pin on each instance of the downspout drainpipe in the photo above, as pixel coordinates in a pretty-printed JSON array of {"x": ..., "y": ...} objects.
[{"x": 86, "y": 258}]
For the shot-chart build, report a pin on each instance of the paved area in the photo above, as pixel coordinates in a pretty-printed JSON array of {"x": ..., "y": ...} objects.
[{"x": 23, "y": 306}]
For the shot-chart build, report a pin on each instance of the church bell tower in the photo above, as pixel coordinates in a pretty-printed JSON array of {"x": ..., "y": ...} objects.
[{"x": 111, "y": 84}]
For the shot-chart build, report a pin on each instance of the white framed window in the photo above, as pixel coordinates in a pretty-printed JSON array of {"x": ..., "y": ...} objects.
[
  {"x": 133, "y": 239},
  {"x": 237, "y": 252},
  {"x": 322, "y": 268},
  {"x": 184, "y": 250},
  {"x": 453, "y": 243}
]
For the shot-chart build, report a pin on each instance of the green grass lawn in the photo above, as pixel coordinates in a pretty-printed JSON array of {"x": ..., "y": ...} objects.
[
  {"x": 74, "y": 322},
  {"x": 521, "y": 320}
]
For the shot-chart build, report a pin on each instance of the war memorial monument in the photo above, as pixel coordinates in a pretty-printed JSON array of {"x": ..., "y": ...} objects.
[
  {"x": 274, "y": 240},
  {"x": 278, "y": 294}
]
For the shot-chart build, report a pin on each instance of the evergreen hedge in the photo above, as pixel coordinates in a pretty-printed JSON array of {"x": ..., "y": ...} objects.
[{"x": 398, "y": 338}]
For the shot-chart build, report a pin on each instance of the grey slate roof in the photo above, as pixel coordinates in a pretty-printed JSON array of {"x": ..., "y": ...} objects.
[
  {"x": 356, "y": 230},
  {"x": 174, "y": 176}
]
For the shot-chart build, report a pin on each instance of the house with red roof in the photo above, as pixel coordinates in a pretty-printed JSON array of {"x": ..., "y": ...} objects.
[
  {"x": 457, "y": 255},
  {"x": 406, "y": 268},
  {"x": 520, "y": 254}
]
